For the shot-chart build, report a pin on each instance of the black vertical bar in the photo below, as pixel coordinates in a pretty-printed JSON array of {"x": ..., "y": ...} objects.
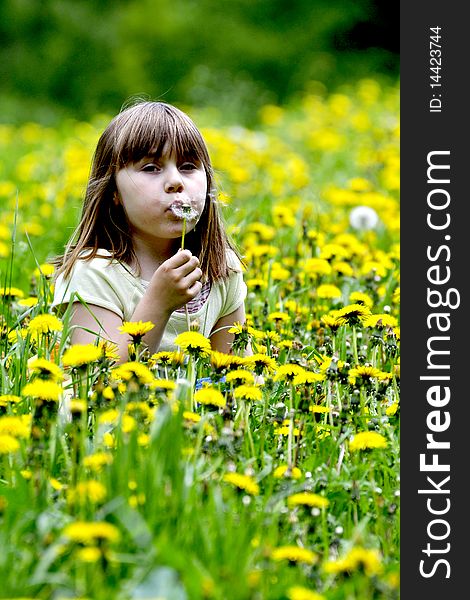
[{"x": 435, "y": 396}]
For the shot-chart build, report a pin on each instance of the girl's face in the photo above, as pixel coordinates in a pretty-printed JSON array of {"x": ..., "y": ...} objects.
[{"x": 157, "y": 192}]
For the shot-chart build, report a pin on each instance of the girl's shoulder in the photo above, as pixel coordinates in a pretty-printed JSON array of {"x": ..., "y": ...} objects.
[
  {"x": 233, "y": 262},
  {"x": 102, "y": 263}
]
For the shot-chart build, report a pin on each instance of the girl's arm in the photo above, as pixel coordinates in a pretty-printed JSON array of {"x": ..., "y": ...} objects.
[{"x": 221, "y": 339}]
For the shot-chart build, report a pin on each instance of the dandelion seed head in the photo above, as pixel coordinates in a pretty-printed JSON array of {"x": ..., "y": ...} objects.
[
  {"x": 184, "y": 211},
  {"x": 363, "y": 218}
]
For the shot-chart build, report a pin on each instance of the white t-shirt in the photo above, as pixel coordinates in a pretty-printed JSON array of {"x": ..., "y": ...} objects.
[{"x": 111, "y": 284}]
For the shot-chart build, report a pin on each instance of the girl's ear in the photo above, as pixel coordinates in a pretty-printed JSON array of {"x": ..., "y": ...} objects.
[{"x": 116, "y": 198}]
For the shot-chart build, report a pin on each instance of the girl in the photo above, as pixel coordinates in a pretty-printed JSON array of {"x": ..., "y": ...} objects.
[{"x": 151, "y": 185}]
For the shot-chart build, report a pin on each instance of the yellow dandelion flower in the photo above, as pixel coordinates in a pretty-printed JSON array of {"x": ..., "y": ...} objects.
[
  {"x": 298, "y": 592},
  {"x": 15, "y": 426},
  {"x": 109, "y": 349},
  {"x": 136, "y": 329},
  {"x": 192, "y": 417},
  {"x": 330, "y": 321},
  {"x": 248, "y": 392},
  {"x": 163, "y": 385},
  {"x": 278, "y": 317},
  {"x": 265, "y": 232},
  {"x": 315, "y": 408},
  {"x": 193, "y": 342},
  {"x": 334, "y": 251},
  {"x": 329, "y": 291},
  {"x": 45, "y": 269},
  {"x": 353, "y": 314},
  {"x": 284, "y": 471},
  {"x": 284, "y": 428},
  {"x": 294, "y": 554},
  {"x": 381, "y": 321},
  {"x": 210, "y": 396},
  {"x": 8, "y": 444},
  {"x": 43, "y": 390},
  {"x": 343, "y": 268},
  {"x": 283, "y": 216},
  {"x": 161, "y": 358},
  {"x": 80, "y": 355},
  {"x": 391, "y": 410},
  {"x": 108, "y": 393},
  {"x": 374, "y": 267},
  {"x": 43, "y": 324},
  {"x": 55, "y": 484},
  {"x": 86, "y": 532},
  {"x": 141, "y": 410},
  {"x": 221, "y": 360},
  {"x": 240, "y": 376},
  {"x": 89, "y": 554},
  {"x": 361, "y": 298},
  {"x": 11, "y": 292},
  {"x": 109, "y": 417},
  {"x": 316, "y": 266},
  {"x": 307, "y": 499},
  {"x": 279, "y": 273},
  {"x": 357, "y": 558},
  {"x": 46, "y": 368},
  {"x": 256, "y": 284},
  {"x": 87, "y": 491},
  {"x": 28, "y": 302},
  {"x": 363, "y": 374},
  {"x": 245, "y": 483},
  {"x": 260, "y": 250},
  {"x": 308, "y": 378},
  {"x": 78, "y": 406},
  {"x": 109, "y": 441},
  {"x": 6, "y": 399},
  {"x": 366, "y": 440},
  {"x": 98, "y": 460},
  {"x": 288, "y": 372},
  {"x": 133, "y": 370}
]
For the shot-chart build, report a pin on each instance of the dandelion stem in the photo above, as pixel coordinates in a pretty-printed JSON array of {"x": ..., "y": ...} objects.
[
  {"x": 183, "y": 234},
  {"x": 290, "y": 437}
]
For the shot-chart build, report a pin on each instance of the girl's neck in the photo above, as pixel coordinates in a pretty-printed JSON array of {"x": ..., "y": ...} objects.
[{"x": 150, "y": 255}]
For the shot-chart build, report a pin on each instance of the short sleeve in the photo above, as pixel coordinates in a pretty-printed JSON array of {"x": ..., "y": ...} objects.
[
  {"x": 236, "y": 286},
  {"x": 93, "y": 282}
]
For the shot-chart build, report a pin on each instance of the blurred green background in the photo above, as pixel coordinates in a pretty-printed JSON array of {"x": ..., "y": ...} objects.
[{"x": 77, "y": 58}]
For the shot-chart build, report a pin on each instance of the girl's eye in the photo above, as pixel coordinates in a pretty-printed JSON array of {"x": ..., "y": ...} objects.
[
  {"x": 151, "y": 168},
  {"x": 188, "y": 166}
]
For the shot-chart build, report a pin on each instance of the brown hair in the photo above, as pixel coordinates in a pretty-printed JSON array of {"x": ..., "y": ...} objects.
[{"x": 144, "y": 129}]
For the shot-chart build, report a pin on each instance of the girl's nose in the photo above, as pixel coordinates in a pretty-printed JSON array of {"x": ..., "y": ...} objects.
[{"x": 173, "y": 181}]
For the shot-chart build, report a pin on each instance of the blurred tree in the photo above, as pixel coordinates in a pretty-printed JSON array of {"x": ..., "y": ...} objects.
[{"x": 84, "y": 56}]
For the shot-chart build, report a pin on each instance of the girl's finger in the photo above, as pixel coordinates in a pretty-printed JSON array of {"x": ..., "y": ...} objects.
[
  {"x": 178, "y": 259},
  {"x": 190, "y": 267},
  {"x": 195, "y": 288},
  {"x": 191, "y": 278}
]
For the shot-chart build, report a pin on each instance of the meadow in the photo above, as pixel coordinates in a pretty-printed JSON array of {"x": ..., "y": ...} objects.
[{"x": 131, "y": 481}]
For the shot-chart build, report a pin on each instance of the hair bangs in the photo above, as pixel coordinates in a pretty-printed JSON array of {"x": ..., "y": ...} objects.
[{"x": 154, "y": 129}]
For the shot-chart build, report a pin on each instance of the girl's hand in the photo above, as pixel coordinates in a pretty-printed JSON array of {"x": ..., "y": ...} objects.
[{"x": 176, "y": 281}]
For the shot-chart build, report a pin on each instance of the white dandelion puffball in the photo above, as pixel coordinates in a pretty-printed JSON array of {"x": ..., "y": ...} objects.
[
  {"x": 363, "y": 217},
  {"x": 184, "y": 211}
]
